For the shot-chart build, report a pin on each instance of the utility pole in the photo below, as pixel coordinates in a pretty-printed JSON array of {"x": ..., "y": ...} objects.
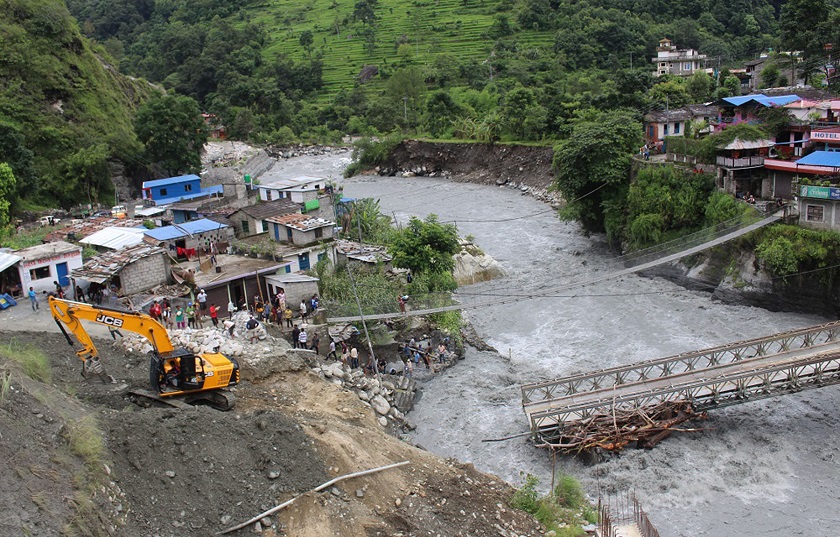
[{"x": 364, "y": 325}]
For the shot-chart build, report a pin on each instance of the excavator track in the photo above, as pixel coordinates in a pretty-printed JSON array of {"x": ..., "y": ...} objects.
[
  {"x": 151, "y": 396},
  {"x": 216, "y": 398}
]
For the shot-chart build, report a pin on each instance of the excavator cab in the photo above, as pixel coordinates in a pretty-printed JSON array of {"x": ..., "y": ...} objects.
[{"x": 176, "y": 371}]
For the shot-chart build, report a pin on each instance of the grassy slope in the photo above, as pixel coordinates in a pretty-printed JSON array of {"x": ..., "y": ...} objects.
[
  {"x": 445, "y": 27},
  {"x": 57, "y": 89}
]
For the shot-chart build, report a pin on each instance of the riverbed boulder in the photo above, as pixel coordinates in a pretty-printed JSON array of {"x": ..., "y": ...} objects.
[{"x": 473, "y": 265}]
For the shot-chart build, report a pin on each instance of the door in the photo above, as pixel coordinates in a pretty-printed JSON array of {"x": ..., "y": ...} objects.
[
  {"x": 303, "y": 261},
  {"x": 61, "y": 272},
  {"x": 238, "y": 294}
]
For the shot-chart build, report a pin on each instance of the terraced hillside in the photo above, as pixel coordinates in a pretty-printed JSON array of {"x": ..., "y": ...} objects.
[{"x": 428, "y": 29}]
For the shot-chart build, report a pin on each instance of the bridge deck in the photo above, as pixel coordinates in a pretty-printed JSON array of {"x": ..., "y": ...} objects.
[{"x": 721, "y": 376}]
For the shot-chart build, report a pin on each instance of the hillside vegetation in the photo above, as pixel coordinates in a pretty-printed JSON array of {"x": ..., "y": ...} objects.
[
  {"x": 65, "y": 111},
  {"x": 283, "y": 71}
]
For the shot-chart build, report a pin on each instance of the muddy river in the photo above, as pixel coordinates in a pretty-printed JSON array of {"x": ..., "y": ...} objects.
[{"x": 764, "y": 468}]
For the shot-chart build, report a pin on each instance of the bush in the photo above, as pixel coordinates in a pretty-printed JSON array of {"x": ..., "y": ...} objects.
[{"x": 779, "y": 256}]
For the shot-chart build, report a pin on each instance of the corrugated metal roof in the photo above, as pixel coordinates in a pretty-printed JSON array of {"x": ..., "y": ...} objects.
[
  {"x": 739, "y": 144},
  {"x": 290, "y": 278},
  {"x": 150, "y": 211},
  {"x": 115, "y": 237},
  {"x": 763, "y": 100},
  {"x": 103, "y": 267},
  {"x": 7, "y": 260},
  {"x": 821, "y": 158},
  {"x": 301, "y": 222},
  {"x": 182, "y": 230},
  {"x": 204, "y": 192},
  {"x": 49, "y": 249},
  {"x": 171, "y": 180}
]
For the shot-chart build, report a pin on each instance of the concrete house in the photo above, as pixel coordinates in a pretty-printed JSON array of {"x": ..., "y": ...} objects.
[
  {"x": 44, "y": 264},
  {"x": 253, "y": 219},
  {"x": 670, "y": 60},
  {"x": 237, "y": 278},
  {"x": 191, "y": 239},
  {"x": 300, "y": 229},
  {"x": 132, "y": 270},
  {"x": 173, "y": 189}
]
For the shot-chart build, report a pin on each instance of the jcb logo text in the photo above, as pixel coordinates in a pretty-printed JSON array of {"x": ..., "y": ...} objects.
[{"x": 107, "y": 319}]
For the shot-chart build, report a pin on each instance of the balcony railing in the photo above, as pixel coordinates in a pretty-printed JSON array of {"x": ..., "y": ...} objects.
[{"x": 742, "y": 162}]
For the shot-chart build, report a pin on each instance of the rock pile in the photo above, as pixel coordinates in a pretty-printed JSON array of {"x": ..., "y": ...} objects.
[
  {"x": 210, "y": 339},
  {"x": 390, "y": 398},
  {"x": 301, "y": 150}
]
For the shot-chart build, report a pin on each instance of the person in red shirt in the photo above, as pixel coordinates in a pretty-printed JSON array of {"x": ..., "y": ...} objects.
[
  {"x": 155, "y": 311},
  {"x": 214, "y": 314}
]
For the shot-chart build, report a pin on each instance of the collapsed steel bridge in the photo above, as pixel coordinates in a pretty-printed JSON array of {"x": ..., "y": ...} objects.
[{"x": 711, "y": 378}]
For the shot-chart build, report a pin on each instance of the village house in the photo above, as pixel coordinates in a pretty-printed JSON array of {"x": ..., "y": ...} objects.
[
  {"x": 296, "y": 286},
  {"x": 173, "y": 189},
  {"x": 191, "y": 239},
  {"x": 301, "y": 229},
  {"x": 733, "y": 110},
  {"x": 253, "y": 219},
  {"x": 670, "y": 60},
  {"x": 44, "y": 264},
  {"x": 313, "y": 193},
  {"x": 131, "y": 270},
  {"x": 237, "y": 279}
]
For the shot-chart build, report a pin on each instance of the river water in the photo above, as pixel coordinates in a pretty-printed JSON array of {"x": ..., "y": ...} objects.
[{"x": 763, "y": 468}]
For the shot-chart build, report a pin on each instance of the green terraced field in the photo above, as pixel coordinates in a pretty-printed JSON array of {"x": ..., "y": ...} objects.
[{"x": 431, "y": 28}]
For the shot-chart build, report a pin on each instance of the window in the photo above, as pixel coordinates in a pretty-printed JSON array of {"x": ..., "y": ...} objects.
[
  {"x": 814, "y": 213},
  {"x": 687, "y": 66},
  {"x": 265, "y": 225},
  {"x": 162, "y": 191},
  {"x": 39, "y": 273},
  {"x": 676, "y": 128},
  {"x": 666, "y": 129},
  {"x": 187, "y": 187},
  {"x": 245, "y": 228},
  {"x": 319, "y": 232}
]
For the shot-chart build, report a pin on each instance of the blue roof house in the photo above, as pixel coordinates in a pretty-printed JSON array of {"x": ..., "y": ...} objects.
[
  {"x": 183, "y": 187},
  {"x": 191, "y": 238}
]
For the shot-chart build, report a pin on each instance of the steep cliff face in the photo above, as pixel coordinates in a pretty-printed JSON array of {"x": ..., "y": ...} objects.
[{"x": 735, "y": 276}]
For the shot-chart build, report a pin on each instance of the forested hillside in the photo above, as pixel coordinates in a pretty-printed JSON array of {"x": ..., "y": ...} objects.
[
  {"x": 482, "y": 69},
  {"x": 65, "y": 112}
]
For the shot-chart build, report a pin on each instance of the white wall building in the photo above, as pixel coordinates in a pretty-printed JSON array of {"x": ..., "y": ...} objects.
[{"x": 44, "y": 264}]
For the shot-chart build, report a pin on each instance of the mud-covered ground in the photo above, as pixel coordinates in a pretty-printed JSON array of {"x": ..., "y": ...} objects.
[{"x": 193, "y": 472}]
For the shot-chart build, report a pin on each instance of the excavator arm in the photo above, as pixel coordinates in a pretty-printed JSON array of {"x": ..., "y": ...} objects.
[
  {"x": 172, "y": 372},
  {"x": 72, "y": 313}
]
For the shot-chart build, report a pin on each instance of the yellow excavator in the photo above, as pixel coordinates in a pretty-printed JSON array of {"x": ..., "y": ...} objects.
[{"x": 173, "y": 373}]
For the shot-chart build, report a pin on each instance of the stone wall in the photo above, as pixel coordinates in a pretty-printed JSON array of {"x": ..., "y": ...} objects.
[{"x": 144, "y": 274}]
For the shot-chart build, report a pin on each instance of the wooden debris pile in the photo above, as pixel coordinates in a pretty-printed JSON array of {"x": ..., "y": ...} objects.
[{"x": 614, "y": 430}]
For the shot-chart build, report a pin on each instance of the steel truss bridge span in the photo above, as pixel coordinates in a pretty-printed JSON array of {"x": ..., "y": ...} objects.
[{"x": 726, "y": 375}]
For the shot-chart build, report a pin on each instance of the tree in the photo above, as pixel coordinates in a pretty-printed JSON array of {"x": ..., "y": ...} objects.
[
  {"x": 7, "y": 191},
  {"x": 770, "y": 76},
  {"x": 441, "y": 112},
  {"x": 425, "y": 246},
  {"x": 173, "y": 132},
  {"x": 306, "y": 40},
  {"x": 671, "y": 94},
  {"x": 366, "y": 217},
  {"x": 699, "y": 87},
  {"x": 594, "y": 160}
]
